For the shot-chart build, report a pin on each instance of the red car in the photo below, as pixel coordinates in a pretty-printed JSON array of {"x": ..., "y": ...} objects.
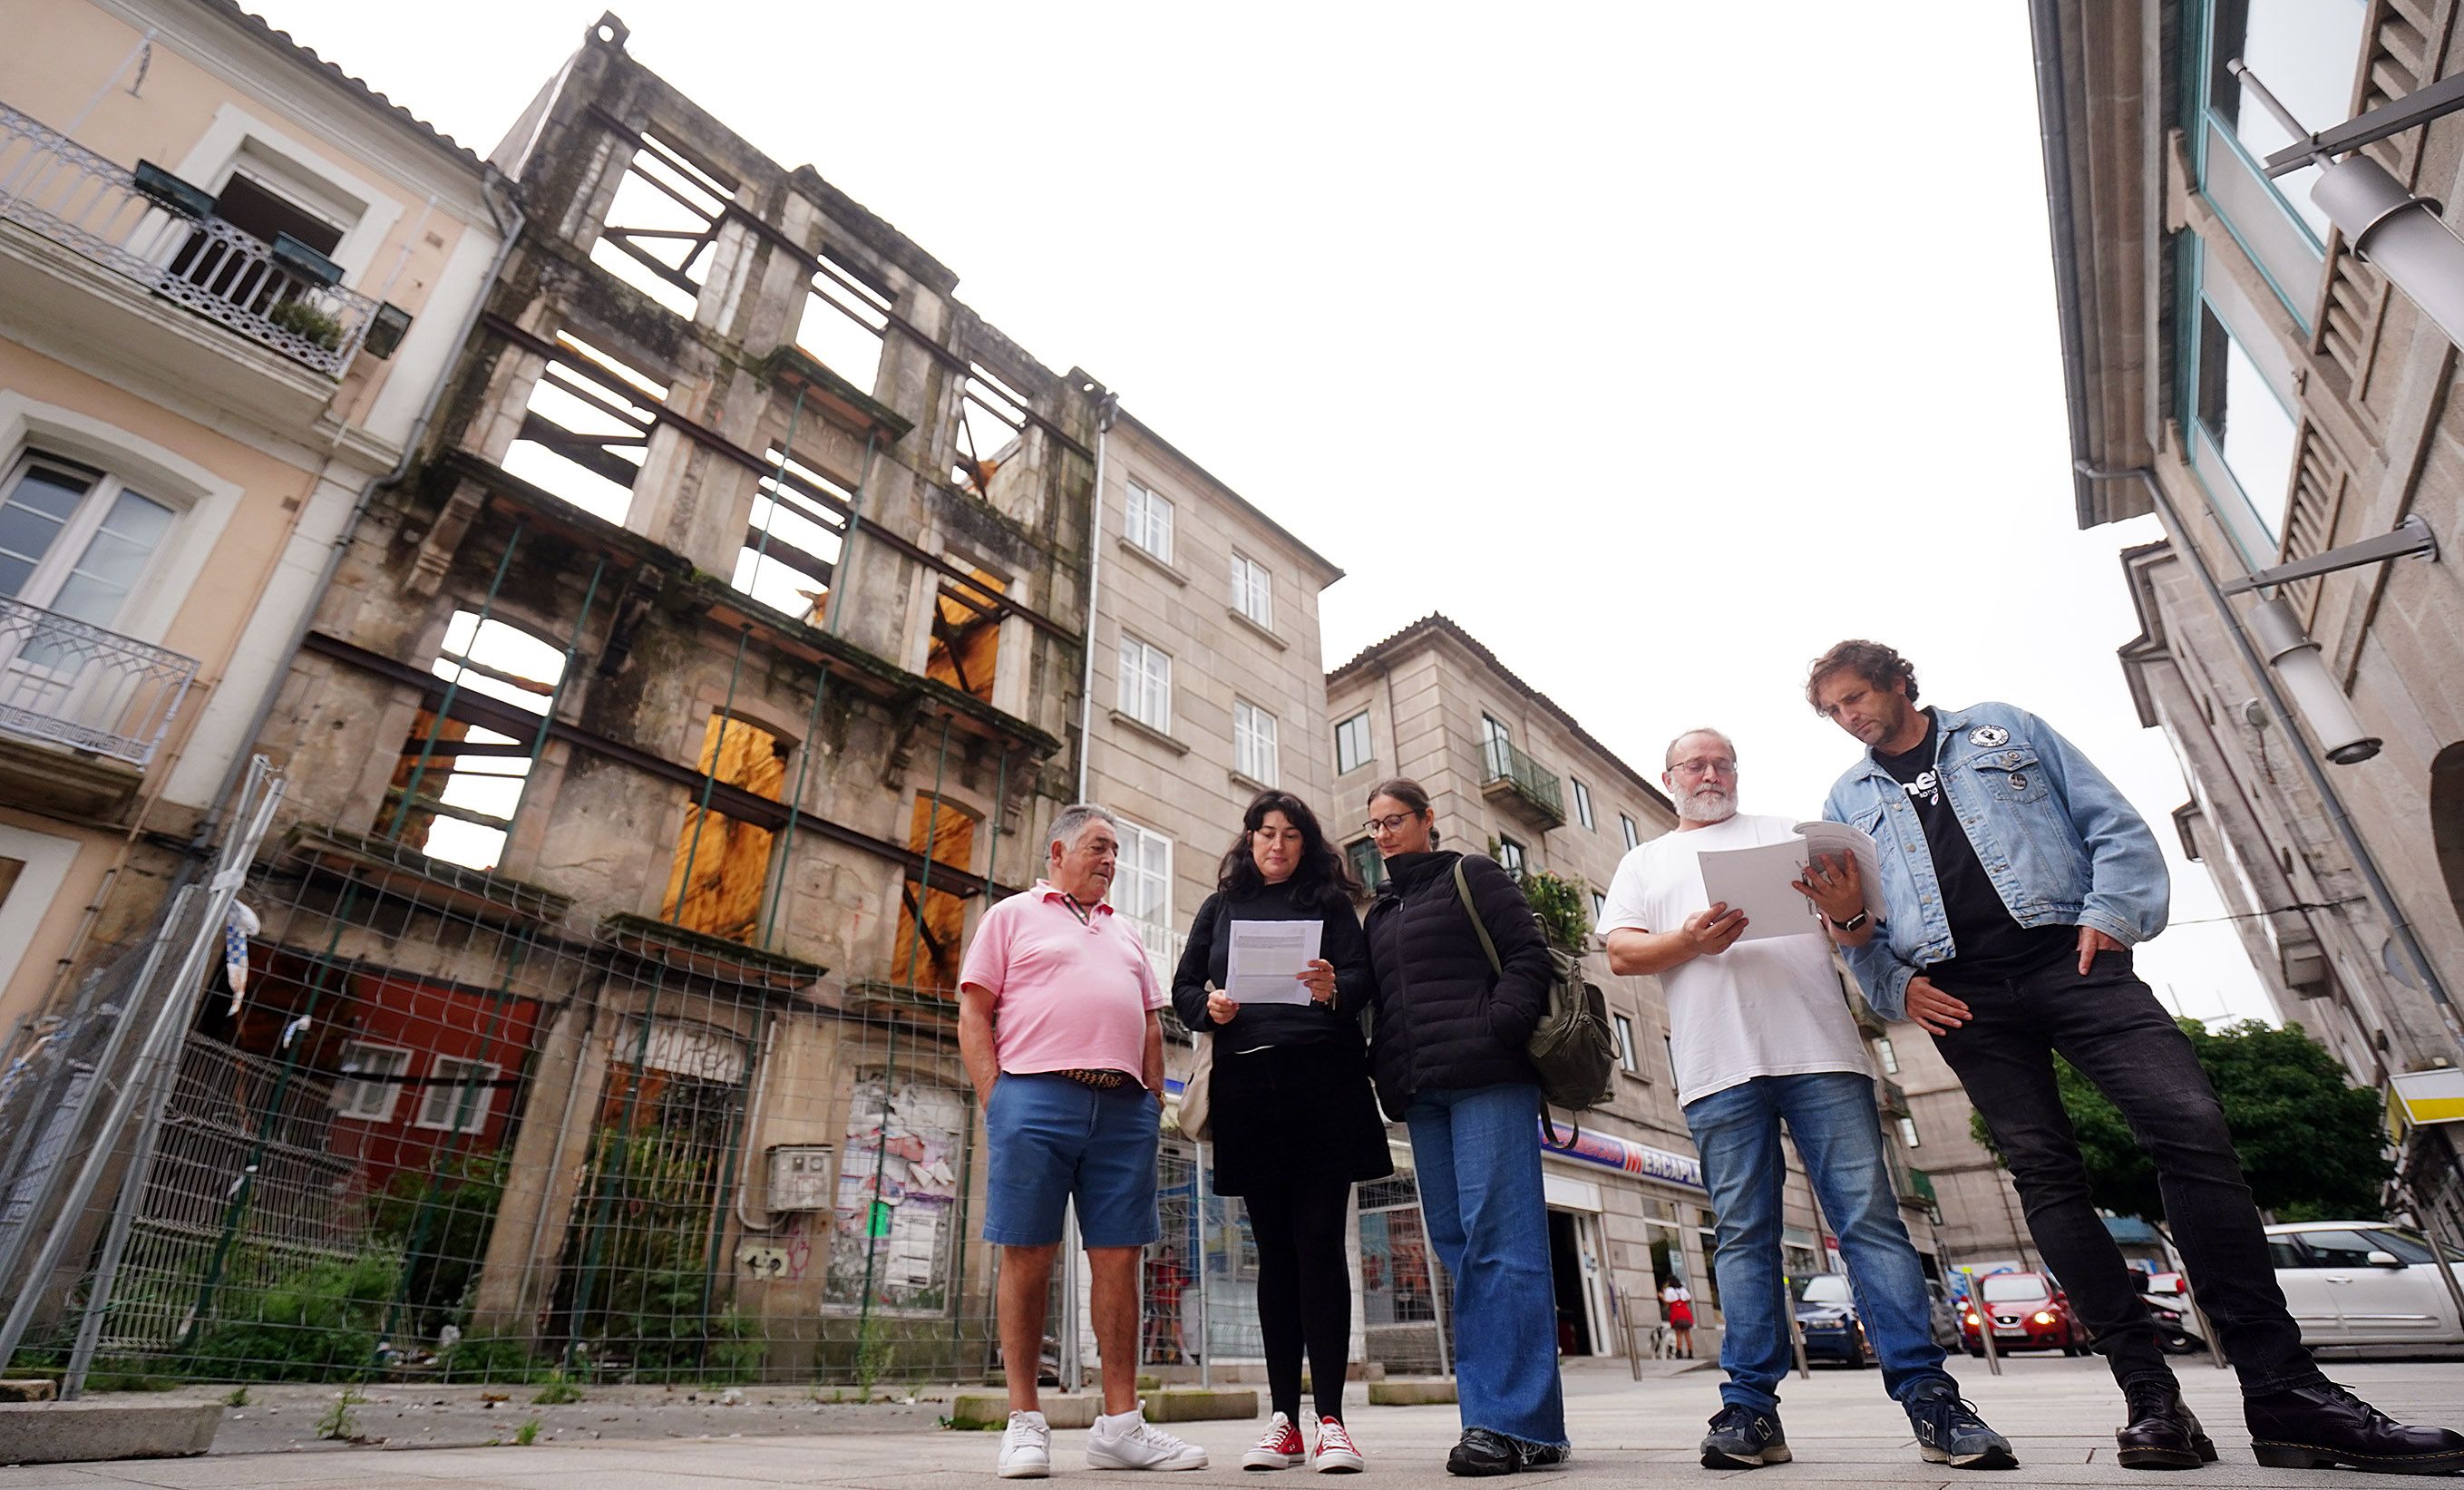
[{"x": 2030, "y": 1313}]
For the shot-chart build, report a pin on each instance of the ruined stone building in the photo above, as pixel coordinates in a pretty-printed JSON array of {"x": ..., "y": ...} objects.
[
  {"x": 1510, "y": 773},
  {"x": 2235, "y": 366}
]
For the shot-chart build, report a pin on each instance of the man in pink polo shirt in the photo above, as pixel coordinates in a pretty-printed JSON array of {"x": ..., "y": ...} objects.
[{"x": 1058, "y": 1027}]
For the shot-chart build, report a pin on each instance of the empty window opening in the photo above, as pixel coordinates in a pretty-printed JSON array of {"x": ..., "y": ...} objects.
[
  {"x": 992, "y": 416},
  {"x": 661, "y": 225},
  {"x": 791, "y": 550},
  {"x": 585, "y": 429},
  {"x": 934, "y": 964},
  {"x": 845, "y": 326},
  {"x": 966, "y": 634},
  {"x": 463, "y": 803},
  {"x": 729, "y": 859}
]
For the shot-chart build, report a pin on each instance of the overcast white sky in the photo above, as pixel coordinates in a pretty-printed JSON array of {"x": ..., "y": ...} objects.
[{"x": 1658, "y": 352}]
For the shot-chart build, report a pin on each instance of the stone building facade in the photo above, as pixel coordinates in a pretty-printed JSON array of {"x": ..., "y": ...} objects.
[
  {"x": 1512, "y": 773},
  {"x": 2236, "y": 367}
]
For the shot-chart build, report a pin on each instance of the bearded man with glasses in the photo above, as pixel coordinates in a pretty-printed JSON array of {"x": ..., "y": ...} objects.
[{"x": 1759, "y": 1031}]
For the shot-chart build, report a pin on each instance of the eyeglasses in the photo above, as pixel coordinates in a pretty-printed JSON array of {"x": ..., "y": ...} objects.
[
  {"x": 1722, "y": 766},
  {"x": 1388, "y": 825}
]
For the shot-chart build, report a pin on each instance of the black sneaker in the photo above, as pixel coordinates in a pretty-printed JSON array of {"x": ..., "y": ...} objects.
[
  {"x": 1482, "y": 1452},
  {"x": 1742, "y": 1438},
  {"x": 1949, "y": 1430},
  {"x": 1540, "y": 1455},
  {"x": 2322, "y": 1426}
]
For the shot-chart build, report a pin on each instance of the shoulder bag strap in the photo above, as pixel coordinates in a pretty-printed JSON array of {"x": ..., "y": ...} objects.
[{"x": 1462, "y": 892}]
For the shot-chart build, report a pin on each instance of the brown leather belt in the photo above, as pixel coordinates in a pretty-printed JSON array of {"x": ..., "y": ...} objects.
[{"x": 1101, "y": 1081}]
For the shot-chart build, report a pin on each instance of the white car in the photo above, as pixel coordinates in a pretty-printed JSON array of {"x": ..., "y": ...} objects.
[{"x": 2366, "y": 1283}]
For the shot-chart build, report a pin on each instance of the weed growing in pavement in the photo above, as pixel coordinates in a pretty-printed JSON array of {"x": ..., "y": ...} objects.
[{"x": 339, "y": 1421}]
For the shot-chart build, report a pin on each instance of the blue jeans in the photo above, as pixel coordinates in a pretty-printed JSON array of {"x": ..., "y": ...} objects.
[
  {"x": 1831, "y": 1115},
  {"x": 1476, "y": 1154}
]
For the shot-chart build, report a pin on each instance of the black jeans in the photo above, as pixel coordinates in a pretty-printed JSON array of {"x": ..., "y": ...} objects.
[
  {"x": 1303, "y": 1289},
  {"x": 2110, "y": 1026}
]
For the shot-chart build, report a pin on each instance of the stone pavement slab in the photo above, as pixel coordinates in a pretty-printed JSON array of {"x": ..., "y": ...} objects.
[{"x": 2059, "y": 1414}]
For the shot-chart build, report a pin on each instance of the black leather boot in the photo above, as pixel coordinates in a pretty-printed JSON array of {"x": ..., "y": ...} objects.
[
  {"x": 2162, "y": 1432},
  {"x": 2321, "y": 1426},
  {"x": 1483, "y": 1453}
]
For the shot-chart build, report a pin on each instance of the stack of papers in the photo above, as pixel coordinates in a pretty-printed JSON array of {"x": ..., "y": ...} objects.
[{"x": 1761, "y": 881}]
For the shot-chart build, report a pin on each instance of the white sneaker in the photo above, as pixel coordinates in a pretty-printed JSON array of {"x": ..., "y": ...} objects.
[
  {"x": 1026, "y": 1448},
  {"x": 1127, "y": 1440},
  {"x": 1336, "y": 1454}
]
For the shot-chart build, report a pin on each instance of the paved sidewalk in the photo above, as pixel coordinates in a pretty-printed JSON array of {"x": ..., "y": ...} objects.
[{"x": 2058, "y": 1413}]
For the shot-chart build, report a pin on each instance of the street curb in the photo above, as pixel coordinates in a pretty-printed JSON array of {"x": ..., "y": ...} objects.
[{"x": 65, "y": 1432}]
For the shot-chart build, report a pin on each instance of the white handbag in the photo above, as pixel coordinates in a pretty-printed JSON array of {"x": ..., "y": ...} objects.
[{"x": 1196, "y": 1093}]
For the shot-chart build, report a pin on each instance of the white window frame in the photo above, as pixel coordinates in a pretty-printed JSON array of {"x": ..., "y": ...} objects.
[
  {"x": 1154, "y": 931},
  {"x": 1583, "y": 804},
  {"x": 1368, "y": 746},
  {"x": 1908, "y": 1133},
  {"x": 1519, "y": 855},
  {"x": 364, "y": 1101},
  {"x": 1146, "y": 521},
  {"x": 442, "y": 1085},
  {"x": 237, "y": 142},
  {"x": 1253, "y": 590},
  {"x": 1255, "y": 753},
  {"x": 1632, "y": 831},
  {"x": 1627, "y": 1060},
  {"x": 1888, "y": 1054},
  {"x": 72, "y": 545},
  {"x": 1145, "y": 688}
]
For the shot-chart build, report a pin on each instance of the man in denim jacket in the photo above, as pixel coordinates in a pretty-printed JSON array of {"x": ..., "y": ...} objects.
[{"x": 2017, "y": 880}]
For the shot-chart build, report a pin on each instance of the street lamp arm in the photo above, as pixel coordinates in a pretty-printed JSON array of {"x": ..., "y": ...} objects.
[{"x": 2411, "y": 111}]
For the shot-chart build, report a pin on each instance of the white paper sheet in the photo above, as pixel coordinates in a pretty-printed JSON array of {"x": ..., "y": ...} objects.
[
  {"x": 1266, "y": 960},
  {"x": 1760, "y": 881}
]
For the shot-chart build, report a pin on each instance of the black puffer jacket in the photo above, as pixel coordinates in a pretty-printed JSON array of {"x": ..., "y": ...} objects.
[{"x": 1444, "y": 1019}]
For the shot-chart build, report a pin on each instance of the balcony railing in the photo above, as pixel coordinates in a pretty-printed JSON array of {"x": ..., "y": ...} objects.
[
  {"x": 57, "y": 187},
  {"x": 1504, "y": 765},
  {"x": 76, "y": 685}
]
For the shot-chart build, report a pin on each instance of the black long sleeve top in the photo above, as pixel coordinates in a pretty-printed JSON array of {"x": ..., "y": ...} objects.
[{"x": 1206, "y": 956}]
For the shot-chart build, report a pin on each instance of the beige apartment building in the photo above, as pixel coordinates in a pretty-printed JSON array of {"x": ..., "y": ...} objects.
[
  {"x": 1512, "y": 773},
  {"x": 2238, "y": 366},
  {"x": 231, "y": 278}
]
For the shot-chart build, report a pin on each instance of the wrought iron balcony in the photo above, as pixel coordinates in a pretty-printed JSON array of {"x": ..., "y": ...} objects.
[
  {"x": 1507, "y": 772},
  {"x": 67, "y": 683},
  {"x": 1891, "y": 1097},
  {"x": 54, "y": 186}
]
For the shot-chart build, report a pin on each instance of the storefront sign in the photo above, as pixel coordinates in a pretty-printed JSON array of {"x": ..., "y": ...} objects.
[
  {"x": 1610, "y": 1151},
  {"x": 2418, "y": 1097}
]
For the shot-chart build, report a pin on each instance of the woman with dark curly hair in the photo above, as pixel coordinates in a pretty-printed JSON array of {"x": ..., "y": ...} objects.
[{"x": 1294, "y": 1120}]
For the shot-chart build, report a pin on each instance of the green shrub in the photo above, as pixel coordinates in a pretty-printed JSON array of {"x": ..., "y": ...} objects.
[
  {"x": 303, "y": 320},
  {"x": 315, "y": 1323}
]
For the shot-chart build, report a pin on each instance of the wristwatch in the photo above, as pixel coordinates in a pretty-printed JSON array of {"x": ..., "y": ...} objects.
[{"x": 1853, "y": 922}]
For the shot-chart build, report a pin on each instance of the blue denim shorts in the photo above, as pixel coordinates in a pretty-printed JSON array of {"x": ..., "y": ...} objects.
[{"x": 1049, "y": 1140}]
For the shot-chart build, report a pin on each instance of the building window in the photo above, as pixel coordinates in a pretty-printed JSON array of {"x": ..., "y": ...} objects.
[
  {"x": 1599, "y": 908},
  {"x": 371, "y": 1078},
  {"x": 1146, "y": 682},
  {"x": 458, "y": 1096},
  {"x": 1510, "y": 857},
  {"x": 2305, "y": 52},
  {"x": 2248, "y": 425},
  {"x": 1496, "y": 748},
  {"x": 1889, "y": 1056},
  {"x": 1253, "y": 590},
  {"x": 1352, "y": 745},
  {"x": 74, "y": 540},
  {"x": 456, "y": 806},
  {"x": 1365, "y": 862},
  {"x": 1626, "y": 1058},
  {"x": 721, "y": 864},
  {"x": 1253, "y": 743},
  {"x": 1148, "y": 522},
  {"x": 1583, "y": 805},
  {"x": 1142, "y": 891},
  {"x": 1908, "y": 1133},
  {"x": 1633, "y": 834}
]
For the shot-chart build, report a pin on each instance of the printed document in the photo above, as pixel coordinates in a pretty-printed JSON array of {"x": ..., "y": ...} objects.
[
  {"x": 1760, "y": 881},
  {"x": 1266, "y": 960}
]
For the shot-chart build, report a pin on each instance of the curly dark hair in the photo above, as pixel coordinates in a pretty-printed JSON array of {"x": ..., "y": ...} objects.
[
  {"x": 1878, "y": 665},
  {"x": 1322, "y": 877}
]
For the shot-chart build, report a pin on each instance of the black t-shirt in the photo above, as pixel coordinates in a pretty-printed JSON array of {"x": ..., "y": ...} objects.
[{"x": 1988, "y": 945}]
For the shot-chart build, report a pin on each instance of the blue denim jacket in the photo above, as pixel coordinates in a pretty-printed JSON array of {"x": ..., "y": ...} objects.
[{"x": 2054, "y": 836}]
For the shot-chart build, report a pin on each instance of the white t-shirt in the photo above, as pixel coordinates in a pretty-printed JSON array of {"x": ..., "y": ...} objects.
[{"x": 1770, "y": 1007}]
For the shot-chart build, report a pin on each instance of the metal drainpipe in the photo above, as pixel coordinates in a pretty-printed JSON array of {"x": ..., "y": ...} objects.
[
  {"x": 1105, "y": 411},
  {"x": 2398, "y": 926}
]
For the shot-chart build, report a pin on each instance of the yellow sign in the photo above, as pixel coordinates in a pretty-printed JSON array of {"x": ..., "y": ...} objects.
[{"x": 2417, "y": 1097}]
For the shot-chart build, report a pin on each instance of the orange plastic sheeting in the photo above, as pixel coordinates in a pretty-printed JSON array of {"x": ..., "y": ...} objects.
[
  {"x": 731, "y": 861},
  {"x": 945, "y": 915}
]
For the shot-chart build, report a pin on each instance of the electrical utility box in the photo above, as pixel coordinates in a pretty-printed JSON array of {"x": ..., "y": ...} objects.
[{"x": 803, "y": 1177}]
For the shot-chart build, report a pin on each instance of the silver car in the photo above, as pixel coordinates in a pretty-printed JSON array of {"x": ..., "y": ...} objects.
[{"x": 2367, "y": 1284}]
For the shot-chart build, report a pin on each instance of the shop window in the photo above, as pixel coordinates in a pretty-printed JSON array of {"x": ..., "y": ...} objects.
[
  {"x": 455, "y": 786},
  {"x": 933, "y": 963},
  {"x": 895, "y": 1235},
  {"x": 721, "y": 864}
]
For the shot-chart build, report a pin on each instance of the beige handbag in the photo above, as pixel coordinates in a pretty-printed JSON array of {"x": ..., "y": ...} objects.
[{"x": 1198, "y": 1093}]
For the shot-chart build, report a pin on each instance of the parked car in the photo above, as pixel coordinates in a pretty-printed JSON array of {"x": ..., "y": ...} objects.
[
  {"x": 2366, "y": 1283},
  {"x": 2030, "y": 1313},
  {"x": 2177, "y": 1328},
  {"x": 1942, "y": 1315},
  {"x": 1826, "y": 1311}
]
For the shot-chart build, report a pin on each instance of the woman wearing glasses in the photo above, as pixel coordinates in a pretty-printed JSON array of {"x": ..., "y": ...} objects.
[
  {"x": 1294, "y": 1123},
  {"x": 1448, "y": 1051}
]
